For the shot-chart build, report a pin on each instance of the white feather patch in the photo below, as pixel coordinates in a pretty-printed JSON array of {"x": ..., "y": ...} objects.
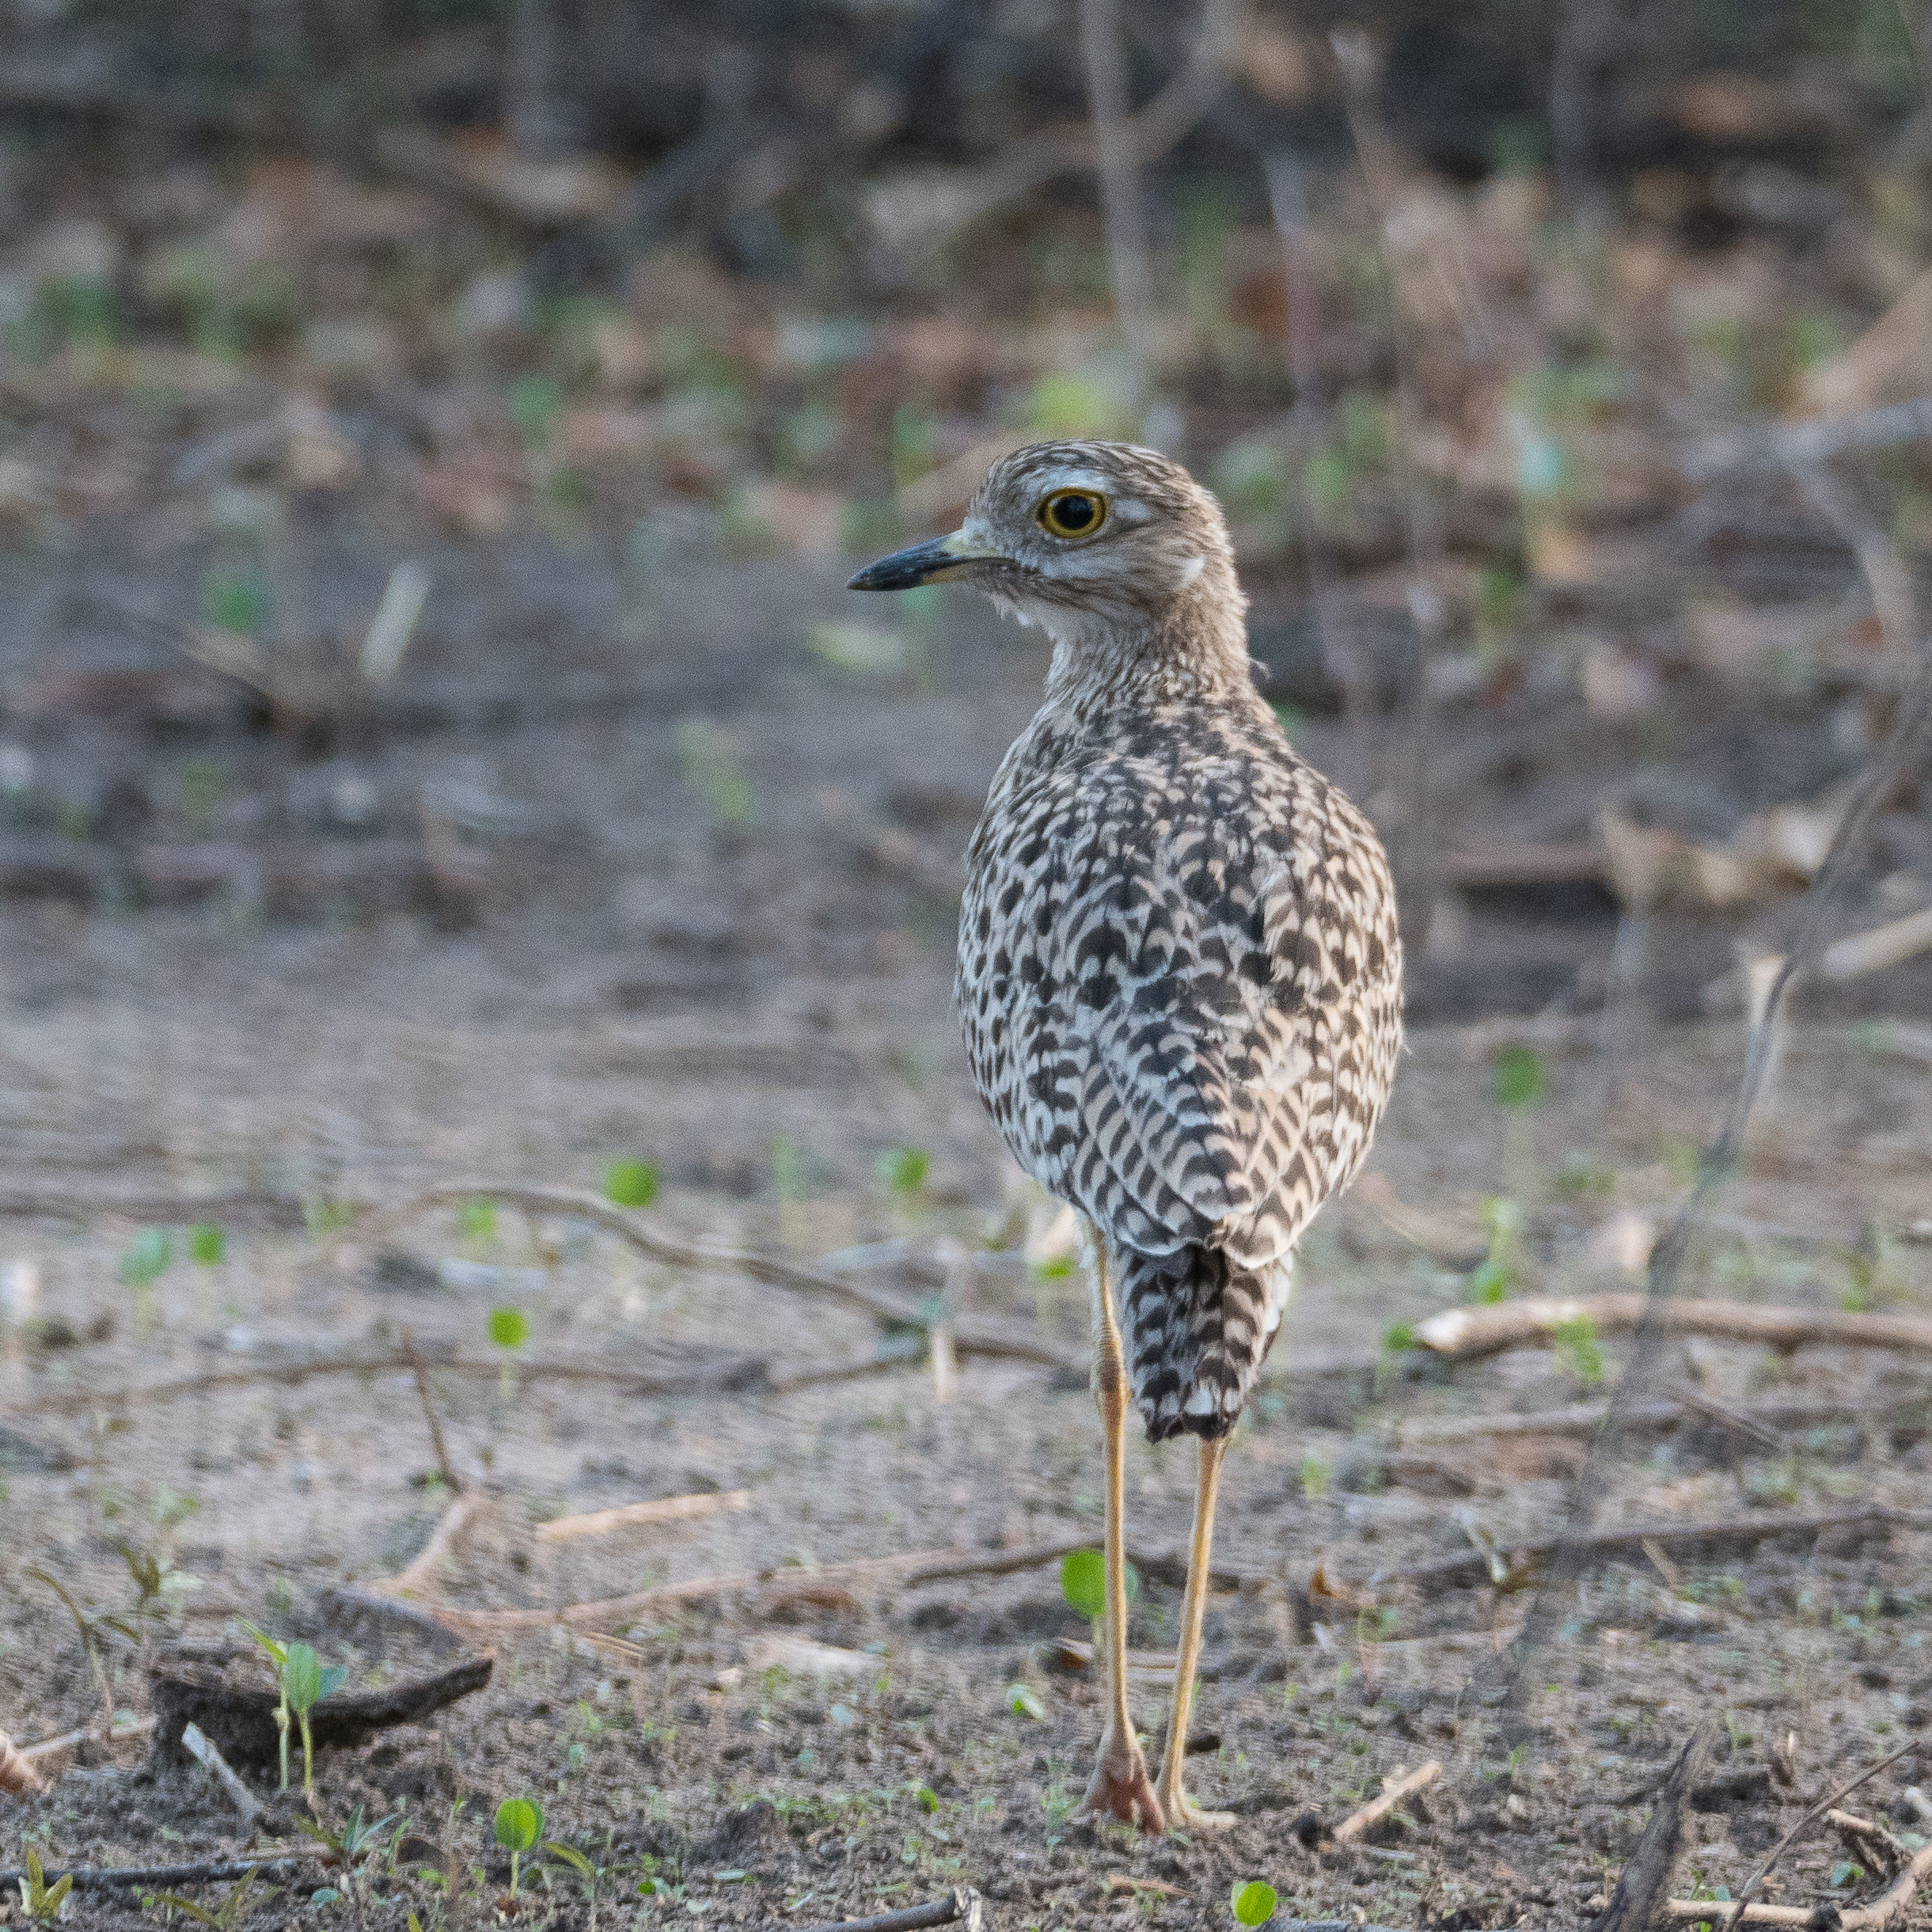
[{"x": 1190, "y": 570}]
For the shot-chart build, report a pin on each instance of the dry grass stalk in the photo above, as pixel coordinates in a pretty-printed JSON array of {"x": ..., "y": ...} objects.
[{"x": 629, "y": 1516}]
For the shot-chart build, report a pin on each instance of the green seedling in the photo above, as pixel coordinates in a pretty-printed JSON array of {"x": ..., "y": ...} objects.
[
  {"x": 304, "y": 1684},
  {"x": 509, "y": 1328},
  {"x": 352, "y": 1846},
  {"x": 1577, "y": 1346},
  {"x": 1083, "y": 1583},
  {"x": 1253, "y": 1902},
  {"x": 519, "y": 1828},
  {"x": 245, "y": 1897},
  {"x": 713, "y": 769},
  {"x": 476, "y": 1220},
  {"x": 206, "y": 1245},
  {"x": 631, "y": 1182},
  {"x": 148, "y": 1257},
  {"x": 1023, "y": 1701},
  {"x": 904, "y": 1170},
  {"x": 41, "y": 1902}
]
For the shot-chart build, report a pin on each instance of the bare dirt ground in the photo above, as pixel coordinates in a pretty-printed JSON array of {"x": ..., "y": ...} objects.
[{"x": 697, "y": 913}]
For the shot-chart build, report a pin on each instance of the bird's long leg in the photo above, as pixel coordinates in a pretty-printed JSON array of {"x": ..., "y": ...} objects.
[
  {"x": 1178, "y": 1812},
  {"x": 1119, "y": 1784}
]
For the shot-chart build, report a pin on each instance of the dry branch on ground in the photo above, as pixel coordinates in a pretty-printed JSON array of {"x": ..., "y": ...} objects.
[{"x": 1467, "y": 1332}]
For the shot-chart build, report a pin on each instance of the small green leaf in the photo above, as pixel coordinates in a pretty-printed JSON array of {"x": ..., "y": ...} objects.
[
  {"x": 1491, "y": 1281},
  {"x": 519, "y": 1824},
  {"x": 927, "y": 1798},
  {"x": 476, "y": 1220},
  {"x": 206, "y": 1244},
  {"x": 1023, "y": 1701},
  {"x": 631, "y": 1183},
  {"x": 572, "y": 1857},
  {"x": 1083, "y": 1583},
  {"x": 1399, "y": 1337},
  {"x": 904, "y": 1169},
  {"x": 1521, "y": 1079},
  {"x": 333, "y": 1679},
  {"x": 301, "y": 1677},
  {"x": 509, "y": 1328},
  {"x": 1253, "y": 1903},
  {"x": 325, "y": 1895},
  {"x": 148, "y": 1257},
  {"x": 277, "y": 1651}
]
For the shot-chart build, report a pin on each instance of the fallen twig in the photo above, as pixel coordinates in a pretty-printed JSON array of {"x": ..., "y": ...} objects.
[
  {"x": 1359, "y": 1824},
  {"x": 451, "y": 1481},
  {"x": 629, "y": 1516},
  {"x": 1866, "y": 1838},
  {"x": 240, "y": 1718},
  {"x": 1784, "y": 444},
  {"x": 738, "y": 1374},
  {"x": 206, "y": 1871},
  {"x": 207, "y": 1754},
  {"x": 1873, "y": 951},
  {"x": 422, "y": 1568},
  {"x": 1645, "y": 1880},
  {"x": 1526, "y": 1559},
  {"x": 52, "y": 1746},
  {"x": 826, "y": 1580},
  {"x": 963, "y": 1907},
  {"x": 1467, "y": 1332},
  {"x": 970, "y": 1336},
  {"x": 1811, "y": 1817},
  {"x": 1764, "y": 1421},
  {"x": 247, "y": 1207}
]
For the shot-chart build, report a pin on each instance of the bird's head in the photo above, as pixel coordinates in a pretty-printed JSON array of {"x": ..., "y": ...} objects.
[{"x": 1114, "y": 550}]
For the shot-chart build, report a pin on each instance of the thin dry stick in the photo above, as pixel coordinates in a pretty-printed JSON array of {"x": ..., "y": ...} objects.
[
  {"x": 1146, "y": 135},
  {"x": 1811, "y": 1818},
  {"x": 52, "y": 1746},
  {"x": 422, "y": 1568},
  {"x": 970, "y": 1336},
  {"x": 1467, "y": 1333},
  {"x": 906, "y": 1572},
  {"x": 739, "y": 1376},
  {"x": 123, "y": 1877},
  {"x": 1120, "y": 183},
  {"x": 451, "y": 1481},
  {"x": 1645, "y": 1878},
  {"x": 1359, "y": 1824},
  {"x": 1524, "y": 1560},
  {"x": 1360, "y": 69},
  {"x": 1341, "y": 653},
  {"x": 629, "y": 1516},
  {"x": 1880, "y": 780}
]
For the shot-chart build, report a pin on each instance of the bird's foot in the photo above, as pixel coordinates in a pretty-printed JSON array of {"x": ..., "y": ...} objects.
[
  {"x": 1120, "y": 1788},
  {"x": 1183, "y": 1814}
]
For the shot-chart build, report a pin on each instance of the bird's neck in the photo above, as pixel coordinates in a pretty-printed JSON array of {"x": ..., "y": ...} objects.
[{"x": 1197, "y": 652}]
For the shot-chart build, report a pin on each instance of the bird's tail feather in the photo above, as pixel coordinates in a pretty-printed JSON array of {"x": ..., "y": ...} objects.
[{"x": 1197, "y": 1329}]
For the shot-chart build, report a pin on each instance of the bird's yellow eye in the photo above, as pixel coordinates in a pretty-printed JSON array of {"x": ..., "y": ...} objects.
[{"x": 1073, "y": 513}]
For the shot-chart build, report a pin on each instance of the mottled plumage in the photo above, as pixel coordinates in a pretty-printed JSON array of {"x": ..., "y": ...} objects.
[{"x": 1179, "y": 974}]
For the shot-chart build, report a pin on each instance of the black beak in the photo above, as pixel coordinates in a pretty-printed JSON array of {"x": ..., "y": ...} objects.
[{"x": 926, "y": 562}]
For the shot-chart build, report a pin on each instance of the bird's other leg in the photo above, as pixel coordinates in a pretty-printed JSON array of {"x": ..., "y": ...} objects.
[
  {"x": 1119, "y": 1786},
  {"x": 1181, "y": 1815}
]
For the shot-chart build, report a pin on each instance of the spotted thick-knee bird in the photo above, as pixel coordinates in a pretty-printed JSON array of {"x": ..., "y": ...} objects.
[{"x": 1180, "y": 977}]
